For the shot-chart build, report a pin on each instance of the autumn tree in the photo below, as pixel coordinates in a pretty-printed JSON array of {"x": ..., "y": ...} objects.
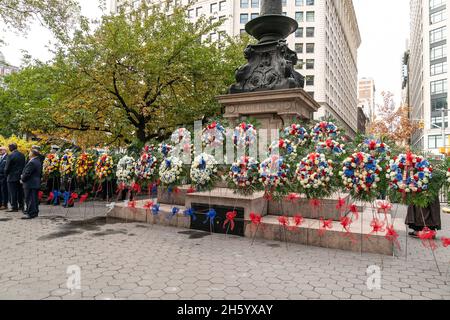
[
  {"x": 393, "y": 123},
  {"x": 138, "y": 75}
]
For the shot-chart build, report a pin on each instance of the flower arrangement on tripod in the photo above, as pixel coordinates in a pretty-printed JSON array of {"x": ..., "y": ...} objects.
[
  {"x": 376, "y": 149},
  {"x": 171, "y": 171},
  {"x": 244, "y": 135},
  {"x": 67, "y": 164},
  {"x": 330, "y": 146},
  {"x": 126, "y": 170},
  {"x": 146, "y": 166},
  {"x": 297, "y": 134},
  {"x": 315, "y": 173},
  {"x": 204, "y": 171},
  {"x": 360, "y": 175},
  {"x": 324, "y": 130},
  {"x": 213, "y": 135},
  {"x": 409, "y": 173},
  {"x": 84, "y": 165},
  {"x": 104, "y": 167},
  {"x": 274, "y": 175},
  {"x": 51, "y": 165},
  {"x": 284, "y": 148},
  {"x": 243, "y": 176}
]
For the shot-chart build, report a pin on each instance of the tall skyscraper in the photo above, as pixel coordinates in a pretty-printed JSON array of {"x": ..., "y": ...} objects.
[
  {"x": 366, "y": 97},
  {"x": 326, "y": 43},
  {"x": 427, "y": 73}
]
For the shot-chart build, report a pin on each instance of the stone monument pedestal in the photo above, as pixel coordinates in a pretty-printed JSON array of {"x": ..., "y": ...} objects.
[{"x": 274, "y": 109}]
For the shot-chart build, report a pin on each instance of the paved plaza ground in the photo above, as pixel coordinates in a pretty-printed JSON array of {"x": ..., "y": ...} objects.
[{"x": 128, "y": 260}]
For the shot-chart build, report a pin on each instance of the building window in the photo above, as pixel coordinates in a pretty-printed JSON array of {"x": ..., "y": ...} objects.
[
  {"x": 310, "y": 32},
  {"x": 254, "y": 15},
  {"x": 437, "y": 17},
  {"x": 299, "y": 16},
  {"x": 299, "y": 32},
  {"x": 439, "y": 86},
  {"x": 439, "y": 103},
  {"x": 310, "y": 48},
  {"x": 310, "y": 16},
  {"x": 244, "y": 18},
  {"x": 299, "y": 3},
  {"x": 436, "y": 121},
  {"x": 309, "y": 80},
  {"x": 438, "y": 68},
  {"x": 213, "y": 7},
  {"x": 437, "y": 34},
  {"x": 309, "y": 2},
  {"x": 299, "y": 64},
  {"x": 438, "y": 52},
  {"x": 244, "y": 4},
  {"x": 190, "y": 13},
  {"x": 299, "y": 47},
  {"x": 222, "y": 5},
  {"x": 435, "y": 141},
  {"x": 284, "y": 3},
  {"x": 436, "y": 4},
  {"x": 198, "y": 11},
  {"x": 255, "y": 3},
  {"x": 309, "y": 64}
]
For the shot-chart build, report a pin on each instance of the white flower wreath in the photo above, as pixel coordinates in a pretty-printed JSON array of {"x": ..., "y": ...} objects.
[
  {"x": 203, "y": 169},
  {"x": 126, "y": 170},
  {"x": 170, "y": 170}
]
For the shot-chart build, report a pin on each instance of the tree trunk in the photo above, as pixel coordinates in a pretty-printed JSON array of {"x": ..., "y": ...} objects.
[{"x": 140, "y": 134}]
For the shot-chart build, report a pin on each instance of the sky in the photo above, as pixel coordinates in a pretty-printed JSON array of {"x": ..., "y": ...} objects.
[{"x": 383, "y": 24}]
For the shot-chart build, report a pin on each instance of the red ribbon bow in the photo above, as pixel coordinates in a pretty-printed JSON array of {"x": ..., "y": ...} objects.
[
  {"x": 324, "y": 225},
  {"x": 120, "y": 188},
  {"x": 230, "y": 219},
  {"x": 40, "y": 195},
  {"x": 190, "y": 190},
  {"x": 51, "y": 196},
  {"x": 445, "y": 242},
  {"x": 392, "y": 235},
  {"x": 283, "y": 221},
  {"x": 377, "y": 226},
  {"x": 136, "y": 188},
  {"x": 345, "y": 223},
  {"x": 73, "y": 197},
  {"x": 148, "y": 204},
  {"x": 354, "y": 210},
  {"x": 256, "y": 219},
  {"x": 132, "y": 204},
  {"x": 292, "y": 197},
  {"x": 340, "y": 206},
  {"x": 83, "y": 198},
  {"x": 315, "y": 203},
  {"x": 427, "y": 236}
]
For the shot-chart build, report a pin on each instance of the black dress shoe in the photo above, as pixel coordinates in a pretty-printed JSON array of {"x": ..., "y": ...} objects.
[{"x": 26, "y": 217}]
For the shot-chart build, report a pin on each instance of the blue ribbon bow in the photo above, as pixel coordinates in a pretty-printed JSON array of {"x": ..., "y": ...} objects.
[
  {"x": 56, "y": 195},
  {"x": 190, "y": 213},
  {"x": 155, "y": 209},
  {"x": 211, "y": 215},
  {"x": 174, "y": 212},
  {"x": 66, "y": 196}
]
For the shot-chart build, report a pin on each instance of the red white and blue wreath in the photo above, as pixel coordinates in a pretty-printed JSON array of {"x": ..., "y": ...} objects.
[
  {"x": 376, "y": 148},
  {"x": 273, "y": 172},
  {"x": 314, "y": 174},
  {"x": 330, "y": 146},
  {"x": 213, "y": 135},
  {"x": 170, "y": 171},
  {"x": 243, "y": 176},
  {"x": 244, "y": 135},
  {"x": 297, "y": 134},
  {"x": 324, "y": 130},
  {"x": 283, "y": 147},
  {"x": 360, "y": 175},
  {"x": 203, "y": 171},
  {"x": 409, "y": 173}
]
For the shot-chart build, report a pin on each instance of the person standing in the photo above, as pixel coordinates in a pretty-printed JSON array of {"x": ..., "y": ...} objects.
[
  {"x": 31, "y": 180},
  {"x": 15, "y": 162},
  {"x": 418, "y": 218},
  {"x": 3, "y": 183}
]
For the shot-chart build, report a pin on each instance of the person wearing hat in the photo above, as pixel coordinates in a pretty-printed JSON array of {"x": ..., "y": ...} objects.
[
  {"x": 31, "y": 181},
  {"x": 3, "y": 182},
  {"x": 15, "y": 162}
]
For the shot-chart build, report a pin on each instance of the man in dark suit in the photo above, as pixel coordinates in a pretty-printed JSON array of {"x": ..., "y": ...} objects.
[
  {"x": 13, "y": 169},
  {"x": 3, "y": 184},
  {"x": 31, "y": 180}
]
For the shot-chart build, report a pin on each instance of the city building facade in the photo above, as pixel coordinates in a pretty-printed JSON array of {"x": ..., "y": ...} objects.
[
  {"x": 366, "y": 97},
  {"x": 427, "y": 84},
  {"x": 326, "y": 43}
]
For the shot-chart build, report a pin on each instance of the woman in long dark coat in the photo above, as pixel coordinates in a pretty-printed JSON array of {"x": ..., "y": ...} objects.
[{"x": 419, "y": 218}]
